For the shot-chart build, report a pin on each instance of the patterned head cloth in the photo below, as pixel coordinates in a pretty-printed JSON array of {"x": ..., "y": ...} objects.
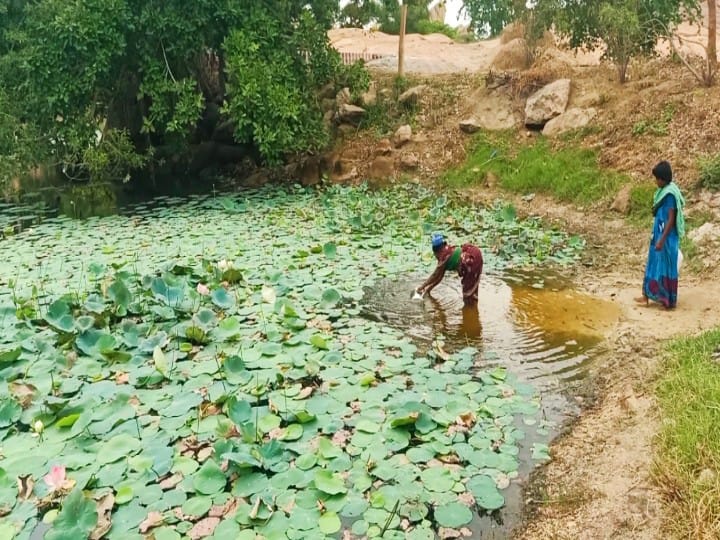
[{"x": 437, "y": 240}]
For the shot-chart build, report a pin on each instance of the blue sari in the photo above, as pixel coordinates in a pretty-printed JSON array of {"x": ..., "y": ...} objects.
[{"x": 661, "y": 273}]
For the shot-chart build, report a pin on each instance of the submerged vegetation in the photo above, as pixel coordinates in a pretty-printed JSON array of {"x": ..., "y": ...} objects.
[
  {"x": 689, "y": 442},
  {"x": 202, "y": 367},
  {"x": 568, "y": 173}
]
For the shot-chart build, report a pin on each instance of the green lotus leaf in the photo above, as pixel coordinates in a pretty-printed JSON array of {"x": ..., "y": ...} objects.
[
  {"x": 329, "y": 483},
  {"x": 485, "y": 492}
]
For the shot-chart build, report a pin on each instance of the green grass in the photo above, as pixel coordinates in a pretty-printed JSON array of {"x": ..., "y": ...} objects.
[
  {"x": 688, "y": 450},
  {"x": 710, "y": 172},
  {"x": 569, "y": 173}
]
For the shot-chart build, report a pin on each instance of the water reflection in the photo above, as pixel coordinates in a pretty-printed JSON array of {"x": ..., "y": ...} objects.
[{"x": 537, "y": 327}]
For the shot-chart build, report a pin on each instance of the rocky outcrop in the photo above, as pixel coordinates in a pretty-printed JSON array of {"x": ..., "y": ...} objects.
[
  {"x": 705, "y": 234},
  {"x": 409, "y": 162},
  {"x": 343, "y": 97},
  {"x": 573, "y": 118},
  {"x": 547, "y": 103},
  {"x": 350, "y": 114},
  {"x": 402, "y": 136}
]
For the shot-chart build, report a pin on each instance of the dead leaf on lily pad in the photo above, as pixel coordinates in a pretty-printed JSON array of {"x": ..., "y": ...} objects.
[
  {"x": 305, "y": 392},
  {"x": 153, "y": 519},
  {"x": 104, "y": 509},
  {"x": 23, "y": 393},
  {"x": 204, "y": 528},
  {"x": 227, "y": 510},
  {"x": 446, "y": 533},
  {"x": 122, "y": 377},
  {"x": 25, "y": 486},
  {"x": 467, "y": 498},
  {"x": 171, "y": 481}
]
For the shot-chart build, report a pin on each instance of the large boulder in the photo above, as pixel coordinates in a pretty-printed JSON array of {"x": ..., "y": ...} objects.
[
  {"x": 547, "y": 103},
  {"x": 513, "y": 55},
  {"x": 573, "y": 118},
  {"x": 705, "y": 234},
  {"x": 492, "y": 112}
]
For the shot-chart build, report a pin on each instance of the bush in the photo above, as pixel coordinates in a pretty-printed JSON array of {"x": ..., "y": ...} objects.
[
  {"x": 710, "y": 172},
  {"x": 437, "y": 27}
]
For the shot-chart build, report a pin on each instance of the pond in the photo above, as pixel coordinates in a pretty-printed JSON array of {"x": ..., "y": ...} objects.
[{"x": 221, "y": 366}]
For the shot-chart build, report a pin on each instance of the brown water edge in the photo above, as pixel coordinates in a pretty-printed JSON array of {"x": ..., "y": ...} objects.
[{"x": 536, "y": 325}]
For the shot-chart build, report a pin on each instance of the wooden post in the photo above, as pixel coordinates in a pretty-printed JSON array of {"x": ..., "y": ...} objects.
[{"x": 401, "y": 43}]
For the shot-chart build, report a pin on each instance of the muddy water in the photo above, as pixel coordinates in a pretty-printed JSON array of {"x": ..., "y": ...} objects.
[{"x": 537, "y": 327}]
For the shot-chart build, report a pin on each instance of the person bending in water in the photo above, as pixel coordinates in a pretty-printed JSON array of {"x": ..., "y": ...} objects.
[{"x": 466, "y": 260}]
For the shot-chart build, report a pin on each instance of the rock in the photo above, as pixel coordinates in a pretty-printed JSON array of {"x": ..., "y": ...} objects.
[
  {"x": 622, "y": 201},
  {"x": 706, "y": 233},
  {"x": 573, "y": 118},
  {"x": 402, "y": 135},
  {"x": 547, "y": 103},
  {"x": 706, "y": 477},
  {"x": 409, "y": 162},
  {"x": 343, "y": 170},
  {"x": 350, "y": 113},
  {"x": 384, "y": 147},
  {"x": 369, "y": 98},
  {"x": 413, "y": 95},
  {"x": 343, "y": 97},
  {"x": 382, "y": 167},
  {"x": 588, "y": 98},
  {"x": 328, "y": 118},
  {"x": 470, "y": 125},
  {"x": 492, "y": 112},
  {"x": 513, "y": 55}
]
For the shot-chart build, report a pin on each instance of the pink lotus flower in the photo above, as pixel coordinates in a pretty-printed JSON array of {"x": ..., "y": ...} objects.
[
  {"x": 57, "y": 480},
  {"x": 203, "y": 289}
]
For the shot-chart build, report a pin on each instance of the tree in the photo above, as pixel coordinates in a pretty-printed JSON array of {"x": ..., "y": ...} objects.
[
  {"x": 118, "y": 85},
  {"x": 358, "y": 13},
  {"x": 712, "y": 39},
  {"x": 490, "y": 17}
]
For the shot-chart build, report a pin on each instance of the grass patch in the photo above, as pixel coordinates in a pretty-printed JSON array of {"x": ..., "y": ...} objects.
[
  {"x": 710, "y": 172},
  {"x": 655, "y": 126},
  {"x": 569, "y": 174},
  {"x": 688, "y": 452}
]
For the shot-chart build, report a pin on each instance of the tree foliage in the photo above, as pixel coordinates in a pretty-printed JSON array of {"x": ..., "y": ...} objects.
[
  {"x": 626, "y": 27},
  {"x": 115, "y": 84}
]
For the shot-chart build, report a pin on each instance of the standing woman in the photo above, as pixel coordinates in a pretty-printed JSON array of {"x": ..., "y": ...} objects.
[{"x": 661, "y": 272}]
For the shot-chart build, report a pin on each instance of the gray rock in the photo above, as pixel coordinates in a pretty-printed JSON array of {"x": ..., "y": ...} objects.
[
  {"x": 547, "y": 103},
  {"x": 573, "y": 118},
  {"x": 413, "y": 95},
  {"x": 402, "y": 135},
  {"x": 350, "y": 113}
]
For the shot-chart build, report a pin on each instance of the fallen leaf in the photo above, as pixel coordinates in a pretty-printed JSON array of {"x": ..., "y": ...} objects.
[
  {"x": 305, "y": 392},
  {"x": 467, "y": 498},
  {"x": 445, "y": 533},
  {"x": 204, "y": 528},
  {"x": 205, "y": 453},
  {"x": 467, "y": 533},
  {"x": 340, "y": 438},
  {"x": 104, "y": 509},
  {"x": 227, "y": 510},
  {"x": 25, "y": 486},
  {"x": 468, "y": 419},
  {"x": 121, "y": 377},
  {"x": 255, "y": 509},
  {"x": 24, "y": 393},
  {"x": 171, "y": 481},
  {"x": 276, "y": 433},
  {"x": 153, "y": 519}
]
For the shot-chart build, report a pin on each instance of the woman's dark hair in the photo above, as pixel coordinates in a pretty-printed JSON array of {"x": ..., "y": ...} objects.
[{"x": 663, "y": 171}]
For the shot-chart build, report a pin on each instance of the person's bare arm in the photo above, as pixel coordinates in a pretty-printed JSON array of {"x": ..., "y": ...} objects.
[{"x": 434, "y": 279}]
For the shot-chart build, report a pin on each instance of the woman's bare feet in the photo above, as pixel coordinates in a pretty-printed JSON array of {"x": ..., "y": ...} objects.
[{"x": 642, "y": 300}]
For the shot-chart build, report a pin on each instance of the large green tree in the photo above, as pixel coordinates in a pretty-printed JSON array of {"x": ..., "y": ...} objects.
[{"x": 115, "y": 85}]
